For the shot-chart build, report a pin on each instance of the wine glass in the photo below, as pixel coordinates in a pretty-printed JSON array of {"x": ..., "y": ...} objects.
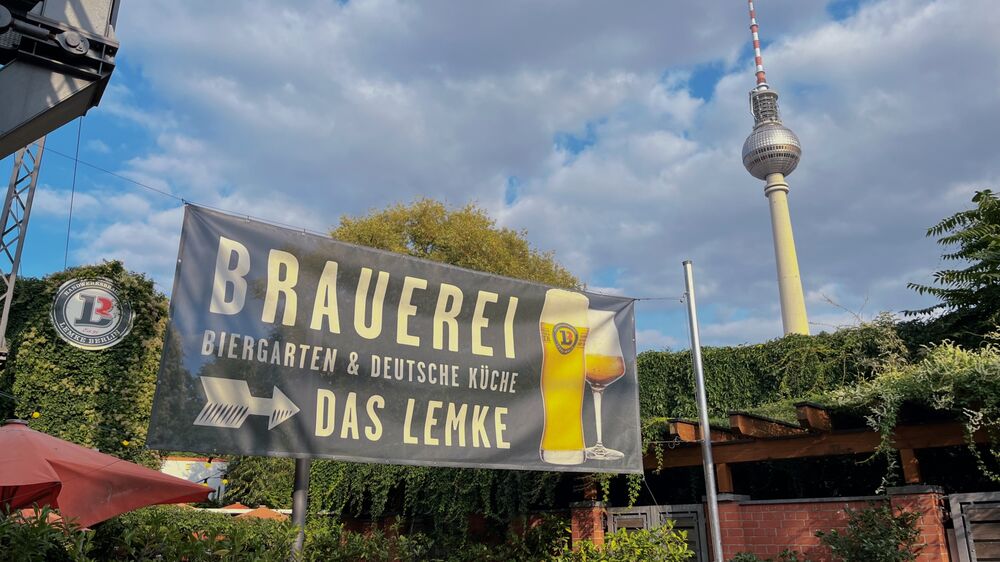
[{"x": 604, "y": 365}]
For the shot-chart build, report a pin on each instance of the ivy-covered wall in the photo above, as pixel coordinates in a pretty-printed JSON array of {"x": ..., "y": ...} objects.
[
  {"x": 749, "y": 376},
  {"x": 95, "y": 398}
]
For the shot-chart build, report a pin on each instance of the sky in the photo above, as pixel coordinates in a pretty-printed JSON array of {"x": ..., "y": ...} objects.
[{"x": 609, "y": 132}]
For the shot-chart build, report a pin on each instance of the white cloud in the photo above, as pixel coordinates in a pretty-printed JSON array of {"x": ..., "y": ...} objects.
[
  {"x": 148, "y": 245},
  {"x": 98, "y": 146},
  {"x": 656, "y": 340},
  {"x": 314, "y": 110},
  {"x": 119, "y": 101},
  {"x": 55, "y": 202}
]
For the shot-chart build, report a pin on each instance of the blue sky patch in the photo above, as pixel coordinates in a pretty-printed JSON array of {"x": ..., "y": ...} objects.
[
  {"x": 513, "y": 190},
  {"x": 704, "y": 77},
  {"x": 605, "y": 277},
  {"x": 574, "y": 143},
  {"x": 842, "y": 9}
]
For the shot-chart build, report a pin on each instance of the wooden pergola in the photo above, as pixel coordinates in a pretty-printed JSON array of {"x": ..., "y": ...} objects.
[{"x": 756, "y": 438}]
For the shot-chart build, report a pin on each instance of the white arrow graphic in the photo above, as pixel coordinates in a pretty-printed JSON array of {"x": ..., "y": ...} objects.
[{"x": 230, "y": 403}]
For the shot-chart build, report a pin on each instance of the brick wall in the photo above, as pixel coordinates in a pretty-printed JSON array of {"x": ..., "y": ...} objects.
[
  {"x": 928, "y": 501},
  {"x": 587, "y": 522},
  {"x": 765, "y": 528}
]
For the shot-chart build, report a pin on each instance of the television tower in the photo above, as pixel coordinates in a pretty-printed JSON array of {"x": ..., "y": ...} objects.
[{"x": 770, "y": 153}]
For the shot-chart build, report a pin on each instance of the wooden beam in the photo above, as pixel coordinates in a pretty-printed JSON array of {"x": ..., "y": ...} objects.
[
  {"x": 813, "y": 417},
  {"x": 761, "y": 427},
  {"x": 911, "y": 467},
  {"x": 724, "y": 478},
  {"x": 685, "y": 431},
  {"x": 925, "y": 436},
  {"x": 690, "y": 432}
]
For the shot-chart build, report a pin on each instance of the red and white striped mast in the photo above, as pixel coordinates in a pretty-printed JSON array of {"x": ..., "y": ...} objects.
[{"x": 761, "y": 81}]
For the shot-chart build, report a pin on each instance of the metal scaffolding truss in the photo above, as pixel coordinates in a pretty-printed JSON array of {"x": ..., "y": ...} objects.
[{"x": 14, "y": 219}]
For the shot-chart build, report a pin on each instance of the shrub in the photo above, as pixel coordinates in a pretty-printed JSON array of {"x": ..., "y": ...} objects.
[
  {"x": 175, "y": 533},
  {"x": 326, "y": 541},
  {"x": 876, "y": 534},
  {"x": 661, "y": 544},
  {"x": 33, "y": 537},
  {"x": 542, "y": 538}
]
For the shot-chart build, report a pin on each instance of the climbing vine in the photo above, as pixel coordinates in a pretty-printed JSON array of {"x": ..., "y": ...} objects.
[
  {"x": 96, "y": 398},
  {"x": 949, "y": 379}
]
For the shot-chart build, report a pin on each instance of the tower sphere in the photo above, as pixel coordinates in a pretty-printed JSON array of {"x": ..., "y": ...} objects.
[{"x": 771, "y": 148}]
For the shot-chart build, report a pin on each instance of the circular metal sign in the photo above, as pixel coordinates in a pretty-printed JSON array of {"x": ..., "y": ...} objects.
[{"x": 89, "y": 314}]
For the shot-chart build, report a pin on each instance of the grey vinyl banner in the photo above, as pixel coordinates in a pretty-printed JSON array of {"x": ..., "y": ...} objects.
[{"x": 284, "y": 343}]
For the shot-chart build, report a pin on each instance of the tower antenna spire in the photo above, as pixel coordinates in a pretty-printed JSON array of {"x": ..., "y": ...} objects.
[{"x": 761, "y": 79}]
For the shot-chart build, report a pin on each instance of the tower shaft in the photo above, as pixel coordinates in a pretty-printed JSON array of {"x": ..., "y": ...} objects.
[{"x": 793, "y": 303}]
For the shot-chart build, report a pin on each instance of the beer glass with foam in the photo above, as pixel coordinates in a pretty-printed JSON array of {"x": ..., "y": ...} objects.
[
  {"x": 605, "y": 365},
  {"x": 563, "y": 329}
]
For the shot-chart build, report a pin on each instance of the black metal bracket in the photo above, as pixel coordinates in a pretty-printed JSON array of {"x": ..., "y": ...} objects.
[{"x": 42, "y": 41}]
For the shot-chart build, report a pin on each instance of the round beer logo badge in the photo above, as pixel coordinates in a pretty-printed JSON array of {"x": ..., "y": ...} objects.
[
  {"x": 565, "y": 337},
  {"x": 89, "y": 314}
]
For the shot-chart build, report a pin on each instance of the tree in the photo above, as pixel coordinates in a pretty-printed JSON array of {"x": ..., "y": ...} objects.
[
  {"x": 970, "y": 293},
  {"x": 465, "y": 237}
]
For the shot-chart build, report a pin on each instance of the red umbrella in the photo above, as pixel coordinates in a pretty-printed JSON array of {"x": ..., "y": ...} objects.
[{"x": 86, "y": 486}]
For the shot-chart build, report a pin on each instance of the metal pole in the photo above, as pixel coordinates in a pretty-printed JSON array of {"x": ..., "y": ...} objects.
[
  {"x": 706, "y": 432},
  {"x": 300, "y": 501}
]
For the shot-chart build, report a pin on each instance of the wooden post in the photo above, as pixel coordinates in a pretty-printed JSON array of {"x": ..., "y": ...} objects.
[
  {"x": 911, "y": 466},
  {"x": 724, "y": 476}
]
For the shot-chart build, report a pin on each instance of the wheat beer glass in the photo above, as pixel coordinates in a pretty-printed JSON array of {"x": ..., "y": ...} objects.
[
  {"x": 605, "y": 365},
  {"x": 563, "y": 329}
]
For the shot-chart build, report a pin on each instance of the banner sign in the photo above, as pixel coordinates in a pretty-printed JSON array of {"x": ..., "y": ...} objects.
[{"x": 284, "y": 343}]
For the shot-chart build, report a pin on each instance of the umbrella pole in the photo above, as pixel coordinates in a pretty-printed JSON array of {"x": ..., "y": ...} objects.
[{"x": 300, "y": 501}]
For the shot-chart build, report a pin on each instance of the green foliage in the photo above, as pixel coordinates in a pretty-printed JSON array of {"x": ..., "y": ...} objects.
[
  {"x": 543, "y": 538},
  {"x": 465, "y": 237},
  {"x": 257, "y": 481},
  {"x": 331, "y": 542},
  {"x": 750, "y": 376},
  {"x": 33, "y": 538},
  {"x": 177, "y": 533},
  {"x": 660, "y": 544},
  {"x": 94, "y": 398},
  {"x": 447, "y": 496},
  {"x": 876, "y": 534},
  {"x": 948, "y": 379},
  {"x": 970, "y": 293},
  {"x": 325, "y": 542},
  {"x": 173, "y": 533}
]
